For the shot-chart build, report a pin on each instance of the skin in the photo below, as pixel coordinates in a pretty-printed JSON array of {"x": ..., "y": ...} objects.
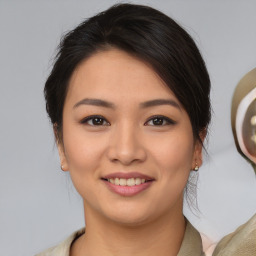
[{"x": 125, "y": 140}]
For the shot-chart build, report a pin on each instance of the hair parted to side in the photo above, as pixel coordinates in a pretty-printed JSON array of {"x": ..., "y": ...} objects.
[{"x": 146, "y": 34}]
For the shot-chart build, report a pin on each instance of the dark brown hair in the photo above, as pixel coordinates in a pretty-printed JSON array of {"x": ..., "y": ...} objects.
[{"x": 146, "y": 34}]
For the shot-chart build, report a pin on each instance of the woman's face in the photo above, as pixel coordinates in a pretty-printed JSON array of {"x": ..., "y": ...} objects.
[{"x": 127, "y": 141}]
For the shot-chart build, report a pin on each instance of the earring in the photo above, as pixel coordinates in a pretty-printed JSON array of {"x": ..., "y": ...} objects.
[
  {"x": 196, "y": 168},
  {"x": 62, "y": 167}
]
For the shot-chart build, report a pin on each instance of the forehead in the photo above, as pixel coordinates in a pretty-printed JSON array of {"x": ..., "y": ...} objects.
[{"x": 116, "y": 74}]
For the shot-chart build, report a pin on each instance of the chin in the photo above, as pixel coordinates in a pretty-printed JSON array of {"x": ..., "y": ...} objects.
[
  {"x": 133, "y": 215},
  {"x": 130, "y": 220}
]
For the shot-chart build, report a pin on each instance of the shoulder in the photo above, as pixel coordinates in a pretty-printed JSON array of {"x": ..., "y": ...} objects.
[
  {"x": 240, "y": 242},
  {"x": 63, "y": 248},
  {"x": 192, "y": 243}
]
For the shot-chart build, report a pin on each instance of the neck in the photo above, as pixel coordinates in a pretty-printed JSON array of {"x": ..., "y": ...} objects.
[{"x": 105, "y": 237}]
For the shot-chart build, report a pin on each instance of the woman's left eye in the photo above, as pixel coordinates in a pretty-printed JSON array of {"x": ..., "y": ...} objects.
[{"x": 159, "y": 121}]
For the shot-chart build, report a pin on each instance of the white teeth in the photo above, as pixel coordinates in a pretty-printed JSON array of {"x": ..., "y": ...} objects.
[
  {"x": 116, "y": 181},
  {"x": 130, "y": 182},
  {"x": 127, "y": 182},
  {"x": 122, "y": 182},
  {"x": 137, "y": 181}
]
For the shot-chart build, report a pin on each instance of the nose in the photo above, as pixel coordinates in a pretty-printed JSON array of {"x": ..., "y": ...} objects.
[{"x": 126, "y": 145}]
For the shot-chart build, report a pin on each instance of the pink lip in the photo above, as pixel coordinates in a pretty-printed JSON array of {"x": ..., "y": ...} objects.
[{"x": 127, "y": 190}]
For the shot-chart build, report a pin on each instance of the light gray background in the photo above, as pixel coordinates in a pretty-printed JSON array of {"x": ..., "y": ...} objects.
[{"x": 38, "y": 205}]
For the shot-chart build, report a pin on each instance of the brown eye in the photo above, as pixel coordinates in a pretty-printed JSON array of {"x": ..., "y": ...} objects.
[
  {"x": 159, "y": 121},
  {"x": 95, "y": 121}
]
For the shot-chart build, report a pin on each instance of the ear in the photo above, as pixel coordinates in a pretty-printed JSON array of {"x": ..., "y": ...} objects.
[
  {"x": 198, "y": 158},
  {"x": 60, "y": 146}
]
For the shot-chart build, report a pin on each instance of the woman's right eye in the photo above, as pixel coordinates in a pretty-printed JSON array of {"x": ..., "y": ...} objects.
[{"x": 95, "y": 121}]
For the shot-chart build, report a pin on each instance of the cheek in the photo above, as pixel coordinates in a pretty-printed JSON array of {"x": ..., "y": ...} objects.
[
  {"x": 175, "y": 153},
  {"x": 83, "y": 156},
  {"x": 83, "y": 152},
  {"x": 174, "y": 159},
  {"x": 78, "y": 145}
]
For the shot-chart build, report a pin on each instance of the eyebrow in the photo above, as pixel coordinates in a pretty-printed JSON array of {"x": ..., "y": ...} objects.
[
  {"x": 146, "y": 104},
  {"x": 158, "y": 102},
  {"x": 94, "y": 102}
]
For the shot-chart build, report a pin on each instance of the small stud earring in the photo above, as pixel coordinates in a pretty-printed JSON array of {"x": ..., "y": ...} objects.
[
  {"x": 196, "y": 168},
  {"x": 62, "y": 167}
]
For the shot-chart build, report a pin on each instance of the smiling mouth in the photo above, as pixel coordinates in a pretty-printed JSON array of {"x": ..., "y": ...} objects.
[{"x": 128, "y": 182}]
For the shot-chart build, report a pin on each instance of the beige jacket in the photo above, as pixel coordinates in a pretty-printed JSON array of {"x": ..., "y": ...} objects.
[
  {"x": 242, "y": 242},
  {"x": 191, "y": 245}
]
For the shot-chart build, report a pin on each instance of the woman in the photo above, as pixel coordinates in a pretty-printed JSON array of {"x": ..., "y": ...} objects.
[{"x": 128, "y": 98}]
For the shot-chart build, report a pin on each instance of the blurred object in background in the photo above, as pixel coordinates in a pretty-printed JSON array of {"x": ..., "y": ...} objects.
[{"x": 243, "y": 117}]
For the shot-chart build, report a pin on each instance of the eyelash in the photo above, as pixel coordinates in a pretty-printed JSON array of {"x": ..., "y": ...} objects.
[
  {"x": 104, "y": 122},
  {"x": 166, "y": 120},
  {"x": 93, "y": 118}
]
